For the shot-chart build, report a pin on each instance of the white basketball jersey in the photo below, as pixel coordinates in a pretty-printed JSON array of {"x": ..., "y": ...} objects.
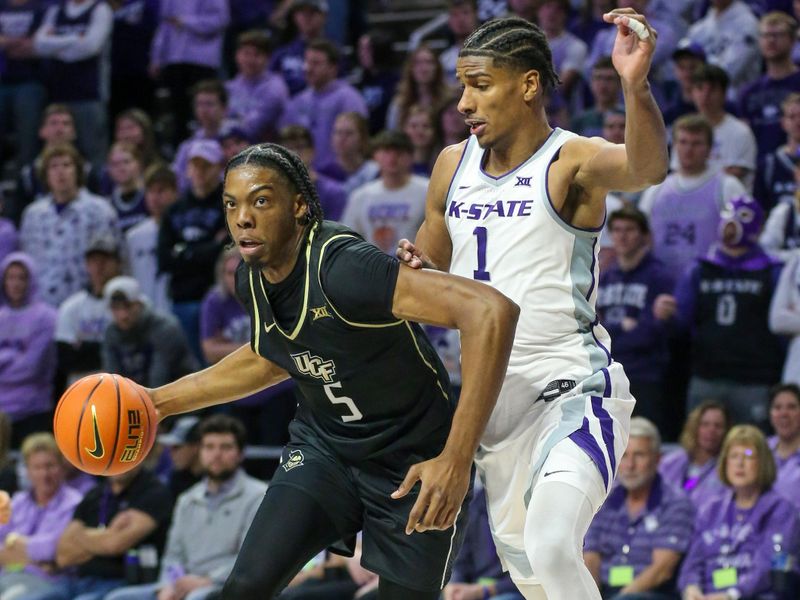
[{"x": 506, "y": 233}]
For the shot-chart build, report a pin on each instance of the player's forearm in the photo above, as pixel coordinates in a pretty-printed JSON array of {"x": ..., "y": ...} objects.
[
  {"x": 645, "y": 135},
  {"x": 237, "y": 375}
]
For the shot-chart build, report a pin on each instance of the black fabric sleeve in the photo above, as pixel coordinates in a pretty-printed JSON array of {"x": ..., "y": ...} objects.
[{"x": 359, "y": 279}]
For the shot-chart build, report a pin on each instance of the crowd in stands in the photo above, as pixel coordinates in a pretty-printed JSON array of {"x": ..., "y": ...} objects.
[{"x": 117, "y": 118}]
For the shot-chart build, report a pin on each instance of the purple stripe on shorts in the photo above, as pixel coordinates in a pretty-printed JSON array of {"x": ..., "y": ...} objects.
[
  {"x": 607, "y": 390},
  {"x": 596, "y": 341},
  {"x": 606, "y": 427},
  {"x": 586, "y": 442}
]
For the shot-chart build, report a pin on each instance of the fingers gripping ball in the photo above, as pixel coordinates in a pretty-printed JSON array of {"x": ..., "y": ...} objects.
[{"x": 105, "y": 424}]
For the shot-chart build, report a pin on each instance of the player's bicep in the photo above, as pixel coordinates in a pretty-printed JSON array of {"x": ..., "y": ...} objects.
[{"x": 604, "y": 165}]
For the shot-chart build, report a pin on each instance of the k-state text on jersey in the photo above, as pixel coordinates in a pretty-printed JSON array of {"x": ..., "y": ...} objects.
[{"x": 481, "y": 211}]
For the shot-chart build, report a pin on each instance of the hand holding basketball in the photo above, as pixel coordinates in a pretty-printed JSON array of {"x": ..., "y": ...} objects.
[{"x": 105, "y": 424}]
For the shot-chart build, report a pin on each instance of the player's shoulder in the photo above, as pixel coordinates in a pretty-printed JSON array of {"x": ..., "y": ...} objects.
[{"x": 445, "y": 169}]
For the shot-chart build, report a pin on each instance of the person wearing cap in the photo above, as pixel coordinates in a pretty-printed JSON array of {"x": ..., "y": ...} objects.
[
  {"x": 27, "y": 352},
  {"x": 57, "y": 227},
  {"x": 326, "y": 97},
  {"x": 183, "y": 444},
  {"x": 631, "y": 306},
  {"x": 192, "y": 235},
  {"x": 686, "y": 59},
  {"x": 307, "y": 19},
  {"x": 84, "y": 316},
  {"x": 141, "y": 344},
  {"x": 760, "y": 102},
  {"x": 393, "y": 206},
  {"x": 724, "y": 298},
  {"x": 256, "y": 96}
]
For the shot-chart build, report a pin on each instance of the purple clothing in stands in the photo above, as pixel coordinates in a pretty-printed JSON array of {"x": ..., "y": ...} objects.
[
  {"x": 316, "y": 110},
  {"x": 198, "y": 40},
  {"x": 787, "y": 483},
  {"x": 727, "y": 536},
  {"x": 760, "y": 106},
  {"x": 666, "y": 523},
  {"x": 41, "y": 525},
  {"x": 27, "y": 351},
  {"x": 287, "y": 61},
  {"x": 135, "y": 23},
  {"x": 700, "y": 486},
  {"x": 9, "y": 238},
  {"x": 257, "y": 104},
  {"x": 332, "y": 197}
]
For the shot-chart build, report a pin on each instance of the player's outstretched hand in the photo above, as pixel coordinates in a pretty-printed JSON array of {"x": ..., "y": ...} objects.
[
  {"x": 634, "y": 46},
  {"x": 5, "y": 507},
  {"x": 409, "y": 254},
  {"x": 445, "y": 481}
]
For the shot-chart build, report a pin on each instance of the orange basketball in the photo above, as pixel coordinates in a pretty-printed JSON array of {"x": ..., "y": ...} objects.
[{"x": 105, "y": 424}]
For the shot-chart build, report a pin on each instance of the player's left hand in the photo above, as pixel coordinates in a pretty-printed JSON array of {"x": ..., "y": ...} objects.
[
  {"x": 445, "y": 481},
  {"x": 631, "y": 55}
]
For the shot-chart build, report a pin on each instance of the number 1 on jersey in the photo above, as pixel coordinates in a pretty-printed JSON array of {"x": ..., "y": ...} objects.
[{"x": 481, "y": 274}]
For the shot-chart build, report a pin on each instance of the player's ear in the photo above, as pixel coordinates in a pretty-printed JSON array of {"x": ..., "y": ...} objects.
[
  {"x": 530, "y": 85},
  {"x": 301, "y": 208}
]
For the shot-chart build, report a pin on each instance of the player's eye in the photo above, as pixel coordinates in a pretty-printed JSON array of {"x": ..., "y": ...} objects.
[
  {"x": 261, "y": 201},
  {"x": 229, "y": 204}
]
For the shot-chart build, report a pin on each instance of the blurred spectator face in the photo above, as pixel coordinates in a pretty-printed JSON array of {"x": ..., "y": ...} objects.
[
  {"x": 250, "y": 61},
  {"x": 784, "y": 415},
  {"x": 551, "y": 16},
  {"x": 685, "y": 66},
  {"x": 101, "y": 268},
  {"x": 790, "y": 121},
  {"x": 775, "y": 41},
  {"x": 423, "y": 66},
  {"x": 58, "y": 128},
  {"x": 125, "y": 314},
  {"x": 462, "y": 20},
  {"x": 637, "y": 5},
  {"x": 46, "y": 473},
  {"x": 523, "y": 8},
  {"x": 123, "y": 167},
  {"x": 627, "y": 238},
  {"x": 208, "y": 110},
  {"x": 605, "y": 86},
  {"x": 128, "y": 130},
  {"x": 302, "y": 148},
  {"x": 639, "y": 464},
  {"x": 452, "y": 123},
  {"x": 309, "y": 21},
  {"x": 229, "y": 274},
  {"x": 183, "y": 456},
  {"x": 15, "y": 284},
  {"x": 614, "y": 128},
  {"x": 345, "y": 139},
  {"x": 220, "y": 456},
  {"x": 319, "y": 71},
  {"x": 393, "y": 162},
  {"x": 419, "y": 127},
  {"x": 693, "y": 150},
  {"x": 711, "y": 431},
  {"x": 364, "y": 52},
  {"x": 158, "y": 197},
  {"x": 203, "y": 176},
  {"x": 741, "y": 467},
  {"x": 231, "y": 146},
  {"x": 708, "y": 97},
  {"x": 62, "y": 177}
]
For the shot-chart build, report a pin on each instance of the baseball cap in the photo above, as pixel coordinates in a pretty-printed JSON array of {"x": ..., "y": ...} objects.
[
  {"x": 124, "y": 288},
  {"x": 183, "y": 432},
  {"x": 686, "y": 47},
  {"x": 320, "y": 5},
  {"x": 104, "y": 244},
  {"x": 208, "y": 150}
]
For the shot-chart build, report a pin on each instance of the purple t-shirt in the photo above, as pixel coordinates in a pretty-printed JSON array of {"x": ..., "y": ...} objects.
[
  {"x": 9, "y": 238},
  {"x": 760, "y": 106},
  {"x": 257, "y": 104},
  {"x": 699, "y": 483},
  {"x": 624, "y": 541},
  {"x": 787, "y": 483}
]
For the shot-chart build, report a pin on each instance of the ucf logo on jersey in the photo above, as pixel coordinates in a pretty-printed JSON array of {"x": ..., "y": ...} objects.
[{"x": 309, "y": 364}]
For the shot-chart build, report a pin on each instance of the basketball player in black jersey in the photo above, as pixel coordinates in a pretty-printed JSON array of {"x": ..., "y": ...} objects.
[{"x": 375, "y": 414}]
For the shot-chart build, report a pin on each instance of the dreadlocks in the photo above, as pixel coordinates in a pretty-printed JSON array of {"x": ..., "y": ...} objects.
[
  {"x": 516, "y": 43},
  {"x": 288, "y": 164}
]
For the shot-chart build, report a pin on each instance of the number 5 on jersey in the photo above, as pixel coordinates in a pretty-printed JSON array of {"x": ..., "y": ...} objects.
[{"x": 355, "y": 414}]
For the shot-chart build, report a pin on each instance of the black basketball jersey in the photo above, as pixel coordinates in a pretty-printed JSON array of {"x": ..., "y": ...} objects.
[
  {"x": 367, "y": 388},
  {"x": 733, "y": 339}
]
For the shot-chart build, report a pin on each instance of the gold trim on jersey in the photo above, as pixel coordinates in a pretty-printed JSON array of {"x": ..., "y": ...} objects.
[
  {"x": 333, "y": 307},
  {"x": 257, "y": 319},
  {"x": 425, "y": 360}
]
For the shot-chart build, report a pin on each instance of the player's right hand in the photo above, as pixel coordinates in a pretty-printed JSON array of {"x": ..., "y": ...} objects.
[
  {"x": 412, "y": 256},
  {"x": 5, "y": 507}
]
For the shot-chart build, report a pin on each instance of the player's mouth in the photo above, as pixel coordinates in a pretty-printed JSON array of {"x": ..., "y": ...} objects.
[
  {"x": 476, "y": 126},
  {"x": 249, "y": 246}
]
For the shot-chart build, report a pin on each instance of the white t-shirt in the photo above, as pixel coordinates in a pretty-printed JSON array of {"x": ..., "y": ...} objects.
[
  {"x": 142, "y": 240},
  {"x": 82, "y": 317}
]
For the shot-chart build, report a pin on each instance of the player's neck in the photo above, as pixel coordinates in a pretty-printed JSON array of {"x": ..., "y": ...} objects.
[
  {"x": 501, "y": 159},
  {"x": 285, "y": 262}
]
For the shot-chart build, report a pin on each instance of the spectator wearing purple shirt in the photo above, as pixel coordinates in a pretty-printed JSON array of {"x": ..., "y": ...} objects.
[
  {"x": 637, "y": 539},
  {"x": 38, "y": 517},
  {"x": 632, "y": 307},
  {"x": 784, "y": 416},
  {"x": 693, "y": 466},
  {"x": 317, "y": 107},
  {"x": 306, "y": 23},
  {"x": 776, "y": 179},
  {"x": 738, "y": 533},
  {"x": 350, "y": 141},
  {"x": 760, "y": 102},
  {"x": 256, "y": 97},
  {"x": 224, "y": 328},
  {"x": 187, "y": 48}
]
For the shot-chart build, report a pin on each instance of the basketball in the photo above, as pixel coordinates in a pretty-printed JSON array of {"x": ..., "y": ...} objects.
[{"x": 105, "y": 424}]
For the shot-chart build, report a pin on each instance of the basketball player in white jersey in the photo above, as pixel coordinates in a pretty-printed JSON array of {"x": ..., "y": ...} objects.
[{"x": 520, "y": 207}]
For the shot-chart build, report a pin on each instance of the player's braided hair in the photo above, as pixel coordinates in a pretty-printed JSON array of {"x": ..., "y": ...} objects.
[
  {"x": 288, "y": 164},
  {"x": 516, "y": 43}
]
